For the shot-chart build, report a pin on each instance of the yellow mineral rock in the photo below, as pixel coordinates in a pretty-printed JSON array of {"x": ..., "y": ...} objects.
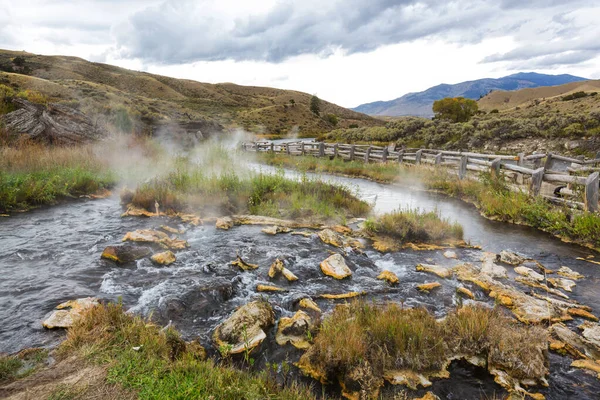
[
  {"x": 578, "y": 312},
  {"x": 465, "y": 292},
  {"x": 389, "y": 276},
  {"x": 294, "y": 330},
  {"x": 385, "y": 244},
  {"x": 309, "y": 304},
  {"x": 342, "y": 296},
  {"x": 442, "y": 272},
  {"x": 427, "y": 287},
  {"x": 68, "y": 312},
  {"x": 239, "y": 262},
  {"x": 164, "y": 258},
  {"x": 335, "y": 266},
  {"x": 268, "y": 288},
  {"x": 224, "y": 223},
  {"x": 158, "y": 237},
  {"x": 330, "y": 237}
]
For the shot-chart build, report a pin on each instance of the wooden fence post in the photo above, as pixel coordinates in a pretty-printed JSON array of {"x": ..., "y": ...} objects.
[
  {"x": 591, "y": 192},
  {"x": 384, "y": 154},
  {"x": 400, "y": 156},
  {"x": 335, "y": 150},
  {"x": 462, "y": 169},
  {"x": 438, "y": 159},
  {"x": 521, "y": 161},
  {"x": 549, "y": 162},
  {"x": 272, "y": 147},
  {"x": 321, "y": 149},
  {"x": 537, "y": 163},
  {"x": 287, "y": 148},
  {"x": 536, "y": 181},
  {"x": 418, "y": 156},
  {"x": 367, "y": 154},
  {"x": 495, "y": 167},
  {"x": 351, "y": 155},
  {"x": 302, "y": 148}
]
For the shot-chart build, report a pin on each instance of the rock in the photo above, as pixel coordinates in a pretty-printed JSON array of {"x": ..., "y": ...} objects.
[
  {"x": 575, "y": 344},
  {"x": 429, "y": 396},
  {"x": 442, "y": 272},
  {"x": 528, "y": 272},
  {"x": 408, "y": 378},
  {"x": 268, "y": 288},
  {"x": 423, "y": 246},
  {"x": 450, "y": 254},
  {"x": 591, "y": 332},
  {"x": 465, "y": 292},
  {"x": 510, "y": 258},
  {"x": 569, "y": 273},
  {"x": 309, "y": 304},
  {"x": 191, "y": 219},
  {"x": 330, "y": 237},
  {"x": 239, "y": 262},
  {"x": 536, "y": 284},
  {"x": 302, "y": 233},
  {"x": 51, "y": 124},
  {"x": 490, "y": 268},
  {"x": 578, "y": 312},
  {"x": 125, "y": 253},
  {"x": 590, "y": 365},
  {"x": 274, "y": 230},
  {"x": 172, "y": 230},
  {"x": 157, "y": 237},
  {"x": 224, "y": 223},
  {"x": 335, "y": 266},
  {"x": 388, "y": 276},
  {"x": 341, "y": 229},
  {"x": 164, "y": 258},
  {"x": 427, "y": 287},
  {"x": 348, "y": 295},
  {"x": 133, "y": 211},
  {"x": 385, "y": 244},
  {"x": 278, "y": 268},
  {"x": 63, "y": 318},
  {"x": 294, "y": 330},
  {"x": 561, "y": 283},
  {"x": 245, "y": 329},
  {"x": 261, "y": 220}
]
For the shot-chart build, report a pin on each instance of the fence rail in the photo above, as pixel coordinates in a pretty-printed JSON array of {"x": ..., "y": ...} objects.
[{"x": 531, "y": 170}]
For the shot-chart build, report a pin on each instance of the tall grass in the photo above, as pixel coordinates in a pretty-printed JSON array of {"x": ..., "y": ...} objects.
[
  {"x": 32, "y": 174},
  {"x": 164, "y": 366},
  {"x": 414, "y": 225}
]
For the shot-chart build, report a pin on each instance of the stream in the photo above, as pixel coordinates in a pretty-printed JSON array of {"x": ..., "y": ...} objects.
[{"x": 51, "y": 255}]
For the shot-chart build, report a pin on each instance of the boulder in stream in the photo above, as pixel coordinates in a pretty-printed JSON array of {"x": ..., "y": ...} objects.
[
  {"x": 164, "y": 258},
  {"x": 156, "y": 237},
  {"x": 528, "y": 272},
  {"x": 68, "y": 312},
  {"x": 569, "y": 273},
  {"x": 336, "y": 267},
  {"x": 295, "y": 330},
  {"x": 328, "y": 236},
  {"x": 561, "y": 283},
  {"x": 389, "y": 276},
  {"x": 490, "y": 268},
  {"x": 274, "y": 230},
  {"x": 278, "y": 268},
  {"x": 224, "y": 223},
  {"x": 450, "y": 254},
  {"x": 245, "y": 266},
  {"x": 308, "y": 304},
  {"x": 125, "y": 253},
  {"x": 428, "y": 287},
  {"x": 510, "y": 258},
  {"x": 440, "y": 271},
  {"x": 245, "y": 329}
]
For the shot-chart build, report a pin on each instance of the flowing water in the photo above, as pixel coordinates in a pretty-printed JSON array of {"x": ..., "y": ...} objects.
[{"x": 51, "y": 255}]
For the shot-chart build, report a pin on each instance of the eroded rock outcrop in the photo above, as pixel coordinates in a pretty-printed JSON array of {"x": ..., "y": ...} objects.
[
  {"x": 245, "y": 266},
  {"x": 245, "y": 329},
  {"x": 336, "y": 267},
  {"x": 440, "y": 271},
  {"x": 164, "y": 258},
  {"x": 279, "y": 268},
  {"x": 125, "y": 253},
  {"x": 295, "y": 330},
  {"x": 68, "y": 312},
  {"x": 156, "y": 237},
  {"x": 388, "y": 276}
]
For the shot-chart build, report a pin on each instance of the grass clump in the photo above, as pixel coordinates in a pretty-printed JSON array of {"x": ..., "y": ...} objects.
[
  {"x": 390, "y": 337},
  {"x": 164, "y": 366},
  {"x": 33, "y": 175},
  {"x": 414, "y": 226},
  {"x": 9, "y": 367}
]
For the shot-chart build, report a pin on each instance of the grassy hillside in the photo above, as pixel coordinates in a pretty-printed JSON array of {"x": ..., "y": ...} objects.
[{"x": 108, "y": 92}]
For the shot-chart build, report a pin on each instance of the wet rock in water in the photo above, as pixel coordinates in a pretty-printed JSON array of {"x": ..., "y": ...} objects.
[
  {"x": 569, "y": 273},
  {"x": 427, "y": 287},
  {"x": 513, "y": 386},
  {"x": 261, "y": 220},
  {"x": 302, "y": 233},
  {"x": 450, "y": 254},
  {"x": 308, "y": 304},
  {"x": 274, "y": 230},
  {"x": 389, "y": 276},
  {"x": 172, "y": 230},
  {"x": 157, "y": 237},
  {"x": 341, "y": 229},
  {"x": 68, "y": 312},
  {"x": 575, "y": 344},
  {"x": 536, "y": 284},
  {"x": 328, "y": 236},
  {"x": 528, "y": 272},
  {"x": 335, "y": 266},
  {"x": 384, "y": 244},
  {"x": 245, "y": 329},
  {"x": 407, "y": 377},
  {"x": 295, "y": 330},
  {"x": 164, "y": 258},
  {"x": 490, "y": 268},
  {"x": 191, "y": 219},
  {"x": 125, "y": 253},
  {"x": 591, "y": 332},
  {"x": 510, "y": 258},
  {"x": 579, "y": 312},
  {"x": 429, "y": 396},
  {"x": 133, "y": 211},
  {"x": 224, "y": 223},
  {"x": 562, "y": 283},
  {"x": 465, "y": 292},
  {"x": 245, "y": 266},
  {"x": 590, "y": 365},
  {"x": 268, "y": 288},
  {"x": 348, "y": 295},
  {"x": 278, "y": 268},
  {"x": 440, "y": 271},
  {"x": 423, "y": 246}
]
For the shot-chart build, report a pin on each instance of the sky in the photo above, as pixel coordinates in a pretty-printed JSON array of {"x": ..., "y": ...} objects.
[{"x": 346, "y": 51}]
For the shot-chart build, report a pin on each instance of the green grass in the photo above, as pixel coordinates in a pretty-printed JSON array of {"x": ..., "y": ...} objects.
[
  {"x": 32, "y": 175},
  {"x": 414, "y": 225},
  {"x": 221, "y": 190},
  {"x": 165, "y": 367},
  {"x": 9, "y": 367}
]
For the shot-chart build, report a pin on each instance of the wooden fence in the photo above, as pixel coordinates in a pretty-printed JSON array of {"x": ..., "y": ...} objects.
[{"x": 530, "y": 170}]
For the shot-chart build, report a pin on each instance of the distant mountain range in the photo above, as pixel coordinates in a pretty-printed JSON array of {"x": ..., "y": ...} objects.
[{"x": 420, "y": 103}]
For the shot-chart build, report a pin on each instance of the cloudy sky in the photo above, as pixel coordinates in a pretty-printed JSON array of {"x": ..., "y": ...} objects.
[{"x": 346, "y": 51}]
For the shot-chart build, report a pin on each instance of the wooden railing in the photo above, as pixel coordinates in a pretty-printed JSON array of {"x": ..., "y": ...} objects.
[{"x": 530, "y": 170}]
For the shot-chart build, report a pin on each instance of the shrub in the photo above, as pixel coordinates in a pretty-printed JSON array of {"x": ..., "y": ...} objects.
[{"x": 332, "y": 119}]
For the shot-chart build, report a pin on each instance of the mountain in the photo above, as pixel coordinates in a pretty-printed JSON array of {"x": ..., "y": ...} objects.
[
  {"x": 111, "y": 94},
  {"x": 420, "y": 103}
]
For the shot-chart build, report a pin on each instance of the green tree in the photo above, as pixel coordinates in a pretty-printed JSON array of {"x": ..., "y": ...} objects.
[
  {"x": 315, "y": 105},
  {"x": 332, "y": 119},
  {"x": 455, "y": 109}
]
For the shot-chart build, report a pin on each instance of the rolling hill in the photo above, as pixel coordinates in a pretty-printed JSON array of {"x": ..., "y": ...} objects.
[
  {"x": 109, "y": 93},
  {"x": 420, "y": 103}
]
